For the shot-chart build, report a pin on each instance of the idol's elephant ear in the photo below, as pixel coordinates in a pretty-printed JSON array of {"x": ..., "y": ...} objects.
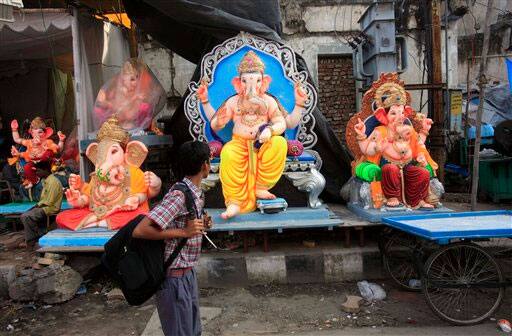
[
  {"x": 136, "y": 153},
  {"x": 265, "y": 84},
  {"x": 48, "y": 132},
  {"x": 92, "y": 152},
  {"x": 237, "y": 84}
]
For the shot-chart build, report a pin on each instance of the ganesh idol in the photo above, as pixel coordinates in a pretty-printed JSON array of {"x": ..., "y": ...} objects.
[
  {"x": 118, "y": 189},
  {"x": 134, "y": 96},
  {"x": 40, "y": 148},
  {"x": 395, "y": 153},
  {"x": 253, "y": 161}
]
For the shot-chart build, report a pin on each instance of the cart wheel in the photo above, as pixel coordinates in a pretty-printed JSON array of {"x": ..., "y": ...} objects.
[
  {"x": 397, "y": 256},
  {"x": 461, "y": 284}
]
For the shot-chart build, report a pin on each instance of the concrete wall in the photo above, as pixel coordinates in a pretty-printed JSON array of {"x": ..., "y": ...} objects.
[
  {"x": 470, "y": 39},
  {"x": 314, "y": 28},
  {"x": 159, "y": 60}
]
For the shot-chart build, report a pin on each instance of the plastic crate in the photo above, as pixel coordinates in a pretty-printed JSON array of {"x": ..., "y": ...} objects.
[{"x": 495, "y": 178}]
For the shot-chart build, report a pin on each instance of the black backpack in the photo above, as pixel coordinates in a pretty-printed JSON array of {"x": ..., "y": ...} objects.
[{"x": 137, "y": 265}]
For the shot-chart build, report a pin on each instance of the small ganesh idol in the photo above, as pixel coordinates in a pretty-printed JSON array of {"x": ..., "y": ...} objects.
[
  {"x": 39, "y": 148},
  {"x": 394, "y": 153},
  {"x": 134, "y": 96},
  {"x": 118, "y": 190}
]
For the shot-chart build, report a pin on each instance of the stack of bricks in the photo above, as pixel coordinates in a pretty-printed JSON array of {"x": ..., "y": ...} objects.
[{"x": 337, "y": 91}]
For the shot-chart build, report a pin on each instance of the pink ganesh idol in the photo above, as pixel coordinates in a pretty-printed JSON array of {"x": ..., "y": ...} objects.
[{"x": 134, "y": 96}]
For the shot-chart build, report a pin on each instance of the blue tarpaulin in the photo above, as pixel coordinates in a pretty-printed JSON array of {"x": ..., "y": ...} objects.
[{"x": 509, "y": 70}]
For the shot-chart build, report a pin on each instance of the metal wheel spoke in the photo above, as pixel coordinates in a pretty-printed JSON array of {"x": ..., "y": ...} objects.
[{"x": 463, "y": 265}]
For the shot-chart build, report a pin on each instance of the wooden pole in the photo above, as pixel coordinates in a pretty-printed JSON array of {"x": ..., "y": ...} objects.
[
  {"x": 482, "y": 81},
  {"x": 80, "y": 108},
  {"x": 132, "y": 41},
  {"x": 438, "y": 134}
]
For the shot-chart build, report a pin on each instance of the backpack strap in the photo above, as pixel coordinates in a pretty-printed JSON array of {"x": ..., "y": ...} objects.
[
  {"x": 190, "y": 203},
  {"x": 192, "y": 209}
]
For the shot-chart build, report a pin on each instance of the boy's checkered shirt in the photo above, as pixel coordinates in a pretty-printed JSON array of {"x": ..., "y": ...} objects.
[{"x": 171, "y": 213}]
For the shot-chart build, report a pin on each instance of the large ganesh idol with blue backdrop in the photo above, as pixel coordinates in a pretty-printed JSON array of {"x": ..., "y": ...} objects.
[
  {"x": 254, "y": 108},
  {"x": 393, "y": 169}
]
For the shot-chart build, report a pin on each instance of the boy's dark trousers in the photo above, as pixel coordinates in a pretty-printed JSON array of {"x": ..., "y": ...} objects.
[{"x": 178, "y": 304}]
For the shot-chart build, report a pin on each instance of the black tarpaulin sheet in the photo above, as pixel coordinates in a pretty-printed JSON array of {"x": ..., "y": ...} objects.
[{"x": 193, "y": 28}]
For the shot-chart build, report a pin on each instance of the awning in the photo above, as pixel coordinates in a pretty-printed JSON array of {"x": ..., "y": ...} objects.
[{"x": 36, "y": 35}]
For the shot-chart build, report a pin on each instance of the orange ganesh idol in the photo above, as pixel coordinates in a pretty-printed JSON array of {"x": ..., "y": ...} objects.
[{"x": 118, "y": 190}]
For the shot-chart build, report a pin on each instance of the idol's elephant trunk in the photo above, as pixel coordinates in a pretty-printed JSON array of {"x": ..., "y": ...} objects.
[
  {"x": 253, "y": 98},
  {"x": 111, "y": 159}
]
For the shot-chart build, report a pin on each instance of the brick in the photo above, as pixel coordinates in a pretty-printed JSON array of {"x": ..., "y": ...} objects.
[{"x": 336, "y": 91}]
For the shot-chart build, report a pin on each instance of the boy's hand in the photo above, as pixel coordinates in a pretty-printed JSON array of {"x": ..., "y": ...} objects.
[
  {"x": 207, "y": 220},
  {"x": 194, "y": 227}
]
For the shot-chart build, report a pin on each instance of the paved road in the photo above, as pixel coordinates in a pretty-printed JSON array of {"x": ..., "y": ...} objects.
[{"x": 478, "y": 330}]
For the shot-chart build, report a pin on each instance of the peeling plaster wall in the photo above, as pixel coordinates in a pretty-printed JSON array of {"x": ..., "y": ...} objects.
[
  {"x": 317, "y": 27},
  {"x": 469, "y": 39}
]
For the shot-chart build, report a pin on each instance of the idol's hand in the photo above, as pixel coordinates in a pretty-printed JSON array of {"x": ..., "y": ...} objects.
[
  {"x": 300, "y": 94},
  {"x": 151, "y": 180},
  {"x": 14, "y": 151},
  {"x": 222, "y": 117},
  {"x": 131, "y": 203},
  {"x": 360, "y": 127},
  {"x": 265, "y": 135},
  {"x": 33, "y": 156},
  {"x": 14, "y": 125},
  {"x": 202, "y": 91},
  {"x": 73, "y": 197},
  {"x": 75, "y": 182},
  {"x": 426, "y": 124},
  {"x": 61, "y": 136},
  {"x": 422, "y": 160}
]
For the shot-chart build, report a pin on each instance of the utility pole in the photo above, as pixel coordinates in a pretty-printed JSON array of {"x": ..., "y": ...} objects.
[
  {"x": 438, "y": 132},
  {"x": 482, "y": 81}
]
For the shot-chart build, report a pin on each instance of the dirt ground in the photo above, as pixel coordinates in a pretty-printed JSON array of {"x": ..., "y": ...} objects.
[{"x": 254, "y": 310}]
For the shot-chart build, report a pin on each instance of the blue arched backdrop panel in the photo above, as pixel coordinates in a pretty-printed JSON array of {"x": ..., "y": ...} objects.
[{"x": 221, "y": 88}]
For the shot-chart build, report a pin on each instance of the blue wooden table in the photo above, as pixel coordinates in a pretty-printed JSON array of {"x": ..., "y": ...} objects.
[
  {"x": 93, "y": 239},
  {"x": 17, "y": 208},
  {"x": 461, "y": 270},
  {"x": 445, "y": 227}
]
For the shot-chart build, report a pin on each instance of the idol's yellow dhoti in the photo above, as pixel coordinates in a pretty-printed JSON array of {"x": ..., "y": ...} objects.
[{"x": 244, "y": 169}]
